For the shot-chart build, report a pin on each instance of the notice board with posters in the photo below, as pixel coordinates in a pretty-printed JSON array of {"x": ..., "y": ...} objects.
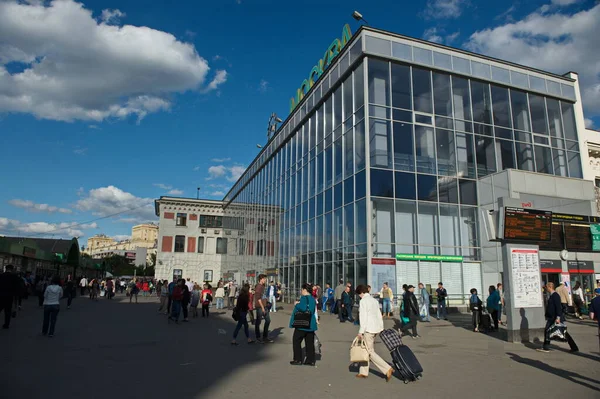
[{"x": 526, "y": 279}]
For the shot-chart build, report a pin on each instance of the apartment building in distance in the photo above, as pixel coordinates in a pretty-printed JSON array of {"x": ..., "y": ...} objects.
[{"x": 142, "y": 243}]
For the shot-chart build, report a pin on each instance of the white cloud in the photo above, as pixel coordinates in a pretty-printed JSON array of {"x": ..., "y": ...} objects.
[
  {"x": 80, "y": 151},
  {"x": 196, "y": 168},
  {"x": 235, "y": 173},
  {"x": 32, "y": 206},
  {"x": 112, "y": 17},
  {"x": 93, "y": 127},
  {"x": 175, "y": 192},
  {"x": 440, "y": 9},
  {"x": 432, "y": 35},
  {"x": 589, "y": 123},
  {"x": 214, "y": 172},
  {"x": 163, "y": 186},
  {"x": 507, "y": 15},
  {"x": 231, "y": 173},
  {"x": 564, "y": 2},
  {"x": 556, "y": 42},
  {"x": 220, "y": 160},
  {"x": 110, "y": 200},
  {"x": 77, "y": 68},
  {"x": 263, "y": 86},
  {"x": 67, "y": 230},
  {"x": 121, "y": 237},
  {"x": 217, "y": 194}
]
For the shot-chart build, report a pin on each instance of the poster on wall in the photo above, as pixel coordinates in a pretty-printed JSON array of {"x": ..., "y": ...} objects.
[
  {"x": 177, "y": 273},
  {"x": 208, "y": 276},
  {"x": 565, "y": 278},
  {"x": 597, "y": 280},
  {"x": 526, "y": 279},
  {"x": 383, "y": 270}
]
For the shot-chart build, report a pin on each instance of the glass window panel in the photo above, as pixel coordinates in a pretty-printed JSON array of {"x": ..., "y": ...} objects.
[
  {"x": 461, "y": 65},
  {"x": 445, "y": 123},
  {"x": 568, "y": 117},
  {"x": 500, "y": 106},
  {"x": 441, "y": 94},
  {"x": 338, "y": 225},
  {"x": 481, "y": 70},
  {"x": 541, "y": 139},
  {"x": 504, "y": 133},
  {"x": 349, "y": 154},
  {"x": 446, "y": 153},
  {"x": 328, "y": 231},
  {"x": 500, "y": 74},
  {"x": 379, "y": 82},
  {"x": 465, "y": 155},
  {"x": 422, "y": 90},
  {"x": 400, "y": 115},
  {"x": 427, "y": 119},
  {"x": 468, "y": 192},
  {"x": 575, "y": 165},
  {"x": 382, "y": 225},
  {"x": 380, "y": 143},
  {"x": 361, "y": 184},
  {"x": 404, "y": 158},
  {"x": 427, "y": 187},
  {"x": 359, "y": 114},
  {"x": 553, "y": 87},
  {"x": 568, "y": 91},
  {"x": 348, "y": 190},
  {"x": 405, "y": 186},
  {"x": 401, "y": 97},
  {"x": 522, "y": 136},
  {"x": 402, "y": 51},
  {"x": 337, "y": 107},
  {"x": 554, "y": 113},
  {"x": 359, "y": 87},
  {"x": 349, "y": 225},
  {"x": 382, "y": 183},
  {"x": 359, "y": 145},
  {"x": 320, "y": 204},
  {"x": 572, "y": 145},
  {"x": 482, "y": 105},
  {"x": 536, "y": 83},
  {"x": 525, "y": 156},
  {"x": 328, "y": 116},
  {"x": 378, "y": 46},
  {"x": 448, "y": 190},
  {"x": 312, "y": 207},
  {"x": 356, "y": 50},
  {"x": 338, "y": 196},
  {"x": 361, "y": 221},
  {"x": 406, "y": 223},
  {"x": 422, "y": 56},
  {"x": 506, "y": 157},
  {"x": 559, "y": 143},
  {"x": 442, "y": 60},
  {"x": 379, "y": 112},
  {"x": 520, "y": 110},
  {"x": 468, "y": 226},
  {"x": 428, "y": 224},
  {"x": 348, "y": 109},
  {"x": 329, "y": 166},
  {"x": 486, "y": 159},
  {"x": 328, "y": 200},
  {"x": 461, "y": 99},
  {"x": 449, "y": 226},
  {"x": 320, "y": 171},
  {"x": 543, "y": 160},
  {"x": 560, "y": 162},
  {"x": 538, "y": 114},
  {"x": 519, "y": 79},
  {"x": 480, "y": 128},
  {"x": 425, "y": 149}
]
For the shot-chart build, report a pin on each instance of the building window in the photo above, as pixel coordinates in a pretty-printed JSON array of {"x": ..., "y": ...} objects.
[
  {"x": 181, "y": 219},
  {"x": 211, "y": 221},
  {"x": 200, "y": 245},
  {"x": 242, "y": 247},
  {"x": 221, "y": 245},
  {"x": 179, "y": 243}
]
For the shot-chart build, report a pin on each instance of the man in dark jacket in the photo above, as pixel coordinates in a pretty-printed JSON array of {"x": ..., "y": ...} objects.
[
  {"x": 10, "y": 287},
  {"x": 554, "y": 315},
  {"x": 346, "y": 306},
  {"x": 411, "y": 310}
]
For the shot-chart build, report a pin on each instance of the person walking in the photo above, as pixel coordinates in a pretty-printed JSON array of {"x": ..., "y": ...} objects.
[
  {"x": 260, "y": 303},
  {"x": 220, "y": 296},
  {"x": 133, "y": 291},
  {"x": 272, "y": 295},
  {"x": 565, "y": 299},
  {"x": 595, "y": 311},
  {"x": 442, "y": 294},
  {"x": 83, "y": 283},
  {"x": 493, "y": 301},
  {"x": 241, "y": 309},
  {"x": 346, "y": 306},
  {"x": 411, "y": 311},
  {"x": 386, "y": 295},
  {"x": 164, "y": 296},
  {"x": 307, "y": 303},
  {"x": 231, "y": 294},
  {"x": 578, "y": 300},
  {"x": 475, "y": 307},
  {"x": 250, "y": 303},
  {"x": 327, "y": 295},
  {"x": 500, "y": 303},
  {"x": 337, "y": 296},
  {"x": 110, "y": 287},
  {"x": 177, "y": 298},
  {"x": 69, "y": 291},
  {"x": 424, "y": 303},
  {"x": 206, "y": 296},
  {"x": 195, "y": 300},
  {"x": 185, "y": 302},
  {"x": 371, "y": 324},
  {"x": 40, "y": 288},
  {"x": 52, "y": 297},
  {"x": 10, "y": 288},
  {"x": 554, "y": 315}
]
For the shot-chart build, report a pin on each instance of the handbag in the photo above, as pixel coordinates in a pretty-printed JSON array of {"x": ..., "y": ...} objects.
[
  {"x": 302, "y": 319},
  {"x": 558, "y": 332},
  {"x": 235, "y": 315},
  {"x": 358, "y": 351}
]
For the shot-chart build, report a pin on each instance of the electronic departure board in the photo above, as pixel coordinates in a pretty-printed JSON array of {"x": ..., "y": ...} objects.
[
  {"x": 527, "y": 224},
  {"x": 578, "y": 237}
]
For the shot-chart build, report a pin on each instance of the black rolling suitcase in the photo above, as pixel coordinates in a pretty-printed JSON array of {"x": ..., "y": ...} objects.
[
  {"x": 391, "y": 338},
  {"x": 406, "y": 363},
  {"x": 486, "y": 322}
]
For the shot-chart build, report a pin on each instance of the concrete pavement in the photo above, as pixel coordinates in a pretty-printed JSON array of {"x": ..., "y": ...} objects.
[{"x": 117, "y": 349}]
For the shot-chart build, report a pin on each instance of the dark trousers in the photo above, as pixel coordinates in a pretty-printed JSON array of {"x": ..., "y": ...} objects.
[
  {"x": 230, "y": 301},
  {"x": 412, "y": 324},
  {"x": 309, "y": 343},
  {"x": 572, "y": 345},
  {"x": 70, "y": 295},
  {"x": 50, "y": 314},
  {"x": 184, "y": 308},
  {"x": 40, "y": 295},
  {"x": 82, "y": 291},
  {"x": 169, "y": 302},
  {"x": 494, "y": 314},
  {"x": 242, "y": 321},
  {"x": 476, "y": 318},
  {"x": 6, "y": 303},
  {"x": 338, "y": 306},
  {"x": 259, "y": 315},
  {"x": 205, "y": 309},
  {"x": 346, "y": 313}
]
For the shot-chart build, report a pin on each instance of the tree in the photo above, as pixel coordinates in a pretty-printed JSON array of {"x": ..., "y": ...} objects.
[
  {"x": 73, "y": 257},
  {"x": 152, "y": 262}
]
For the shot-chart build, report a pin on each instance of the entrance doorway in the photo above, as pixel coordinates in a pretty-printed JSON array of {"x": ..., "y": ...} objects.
[
  {"x": 587, "y": 285},
  {"x": 551, "y": 278}
]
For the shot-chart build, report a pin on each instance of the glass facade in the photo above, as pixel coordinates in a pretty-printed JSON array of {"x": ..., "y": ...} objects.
[{"x": 387, "y": 162}]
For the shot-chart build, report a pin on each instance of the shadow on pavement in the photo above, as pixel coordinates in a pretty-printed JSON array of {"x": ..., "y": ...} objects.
[
  {"x": 113, "y": 346},
  {"x": 464, "y": 320},
  {"x": 571, "y": 376}
]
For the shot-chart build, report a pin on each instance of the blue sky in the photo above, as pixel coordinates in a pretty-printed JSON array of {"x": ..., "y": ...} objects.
[{"x": 106, "y": 105}]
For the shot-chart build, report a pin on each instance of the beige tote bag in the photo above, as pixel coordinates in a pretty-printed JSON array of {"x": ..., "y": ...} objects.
[{"x": 358, "y": 351}]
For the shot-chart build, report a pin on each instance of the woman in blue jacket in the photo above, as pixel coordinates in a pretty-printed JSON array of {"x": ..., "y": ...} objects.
[
  {"x": 306, "y": 303},
  {"x": 493, "y": 305}
]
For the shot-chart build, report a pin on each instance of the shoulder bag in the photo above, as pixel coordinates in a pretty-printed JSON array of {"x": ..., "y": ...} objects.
[
  {"x": 302, "y": 319},
  {"x": 358, "y": 351}
]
